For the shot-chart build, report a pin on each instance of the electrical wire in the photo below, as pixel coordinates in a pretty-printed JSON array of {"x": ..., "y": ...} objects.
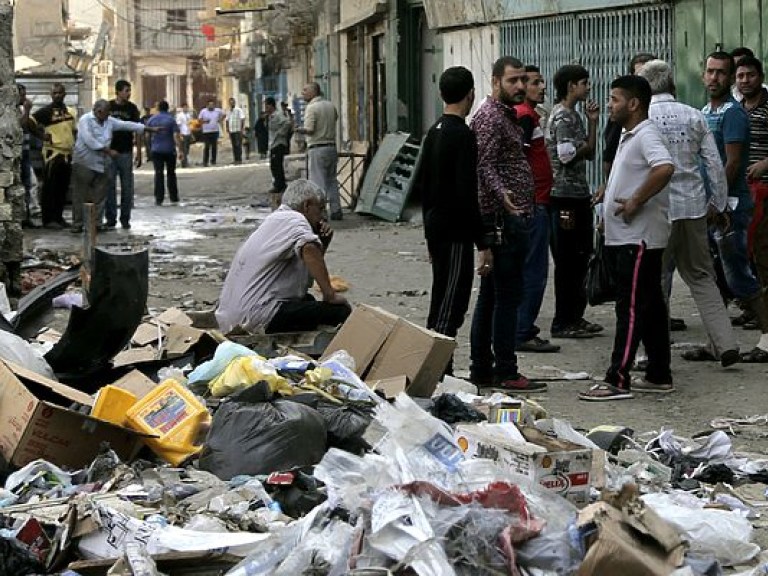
[{"x": 175, "y": 33}]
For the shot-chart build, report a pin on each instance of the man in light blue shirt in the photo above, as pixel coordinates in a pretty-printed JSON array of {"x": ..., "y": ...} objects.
[{"x": 92, "y": 148}]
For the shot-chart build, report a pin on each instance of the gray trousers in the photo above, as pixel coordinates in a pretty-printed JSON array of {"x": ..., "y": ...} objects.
[
  {"x": 688, "y": 251},
  {"x": 87, "y": 186},
  {"x": 321, "y": 163}
]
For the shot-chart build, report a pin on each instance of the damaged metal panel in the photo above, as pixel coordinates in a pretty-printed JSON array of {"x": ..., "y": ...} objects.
[
  {"x": 452, "y": 13},
  {"x": 476, "y": 49}
]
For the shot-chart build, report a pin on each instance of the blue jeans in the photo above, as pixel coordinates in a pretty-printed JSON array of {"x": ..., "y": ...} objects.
[
  {"x": 732, "y": 247},
  {"x": 534, "y": 274},
  {"x": 494, "y": 323},
  {"x": 122, "y": 166}
]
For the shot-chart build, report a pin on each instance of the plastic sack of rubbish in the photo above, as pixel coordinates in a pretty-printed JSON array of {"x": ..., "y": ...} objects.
[
  {"x": 17, "y": 350},
  {"x": 346, "y": 425},
  {"x": 242, "y": 372},
  {"x": 551, "y": 551},
  {"x": 225, "y": 353},
  {"x": 427, "y": 443},
  {"x": 343, "y": 367},
  {"x": 727, "y": 535},
  {"x": 38, "y": 472},
  {"x": 262, "y": 438},
  {"x": 325, "y": 551},
  {"x": 349, "y": 477}
]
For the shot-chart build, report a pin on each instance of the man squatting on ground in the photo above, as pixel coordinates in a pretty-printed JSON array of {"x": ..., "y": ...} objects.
[{"x": 266, "y": 288}]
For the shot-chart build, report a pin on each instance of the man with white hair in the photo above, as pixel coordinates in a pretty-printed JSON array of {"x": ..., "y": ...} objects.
[
  {"x": 692, "y": 146},
  {"x": 266, "y": 288},
  {"x": 93, "y": 153}
]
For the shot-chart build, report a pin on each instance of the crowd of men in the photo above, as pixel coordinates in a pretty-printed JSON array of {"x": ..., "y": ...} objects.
[
  {"x": 165, "y": 138},
  {"x": 684, "y": 189}
]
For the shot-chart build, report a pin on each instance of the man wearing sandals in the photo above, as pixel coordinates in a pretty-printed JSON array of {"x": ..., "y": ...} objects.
[{"x": 636, "y": 206}]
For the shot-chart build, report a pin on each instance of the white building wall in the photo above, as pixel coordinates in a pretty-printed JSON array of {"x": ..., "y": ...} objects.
[{"x": 476, "y": 49}]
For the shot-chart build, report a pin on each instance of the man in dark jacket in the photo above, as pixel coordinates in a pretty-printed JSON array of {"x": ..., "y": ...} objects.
[{"x": 447, "y": 182}]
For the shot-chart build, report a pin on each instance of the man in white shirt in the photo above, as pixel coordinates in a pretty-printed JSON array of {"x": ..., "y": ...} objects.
[
  {"x": 266, "y": 288},
  {"x": 636, "y": 209},
  {"x": 92, "y": 151},
  {"x": 182, "y": 120},
  {"x": 235, "y": 126},
  {"x": 211, "y": 117},
  {"x": 692, "y": 146}
]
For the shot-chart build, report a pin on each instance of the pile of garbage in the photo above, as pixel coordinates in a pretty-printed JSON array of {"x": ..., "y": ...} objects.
[{"x": 254, "y": 462}]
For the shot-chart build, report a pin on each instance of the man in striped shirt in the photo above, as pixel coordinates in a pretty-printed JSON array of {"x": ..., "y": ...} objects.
[{"x": 750, "y": 82}]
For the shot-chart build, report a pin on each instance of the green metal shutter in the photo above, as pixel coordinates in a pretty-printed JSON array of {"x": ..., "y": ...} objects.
[{"x": 602, "y": 42}]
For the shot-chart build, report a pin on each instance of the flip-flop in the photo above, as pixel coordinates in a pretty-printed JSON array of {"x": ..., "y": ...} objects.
[{"x": 605, "y": 393}]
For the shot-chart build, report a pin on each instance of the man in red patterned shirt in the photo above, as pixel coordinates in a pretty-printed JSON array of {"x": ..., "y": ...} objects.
[{"x": 505, "y": 189}]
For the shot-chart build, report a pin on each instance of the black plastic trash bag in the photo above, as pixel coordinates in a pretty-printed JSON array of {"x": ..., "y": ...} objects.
[
  {"x": 451, "y": 410},
  {"x": 600, "y": 284},
  {"x": 262, "y": 438},
  {"x": 346, "y": 426}
]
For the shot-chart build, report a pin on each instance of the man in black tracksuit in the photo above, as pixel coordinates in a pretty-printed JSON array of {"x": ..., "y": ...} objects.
[{"x": 447, "y": 183}]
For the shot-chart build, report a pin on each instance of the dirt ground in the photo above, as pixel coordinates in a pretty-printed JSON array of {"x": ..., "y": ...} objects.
[{"x": 386, "y": 265}]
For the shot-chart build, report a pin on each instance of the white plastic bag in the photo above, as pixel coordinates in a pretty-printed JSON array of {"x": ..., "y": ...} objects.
[
  {"x": 17, "y": 350},
  {"x": 727, "y": 535}
]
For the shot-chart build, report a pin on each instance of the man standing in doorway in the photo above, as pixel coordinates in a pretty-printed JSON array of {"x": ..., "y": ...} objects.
[
  {"x": 211, "y": 118},
  {"x": 729, "y": 122},
  {"x": 56, "y": 126},
  {"x": 235, "y": 126},
  {"x": 636, "y": 232},
  {"x": 505, "y": 188},
  {"x": 320, "y": 119},
  {"x": 279, "y": 126},
  {"x": 122, "y": 164}
]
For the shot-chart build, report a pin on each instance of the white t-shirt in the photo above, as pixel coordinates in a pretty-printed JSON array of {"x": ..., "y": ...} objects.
[
  {"x": 182, "y": 120},
  {"x": 235, "y": 119},
  {"x": 640, "y": 149},
  {"x": 266, "y": 271}
]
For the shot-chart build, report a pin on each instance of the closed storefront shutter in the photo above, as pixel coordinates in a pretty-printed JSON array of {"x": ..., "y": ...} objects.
[{"x": 603, "y": 42}]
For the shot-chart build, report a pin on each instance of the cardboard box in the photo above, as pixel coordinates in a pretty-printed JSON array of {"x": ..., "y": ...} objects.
[
  {"x": 362, "y": 335},
  {"x": 35, "y": 422},
  {"x": 632, "y": 541},
  {"x": 562, "y": 467},
  {"x": 419, "y": 354},
  {"x": 385, "y": 346}
]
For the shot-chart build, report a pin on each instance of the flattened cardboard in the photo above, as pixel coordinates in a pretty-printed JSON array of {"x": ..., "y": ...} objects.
[
  {"x": 391, "y": 387},
  {"x": 136, "y": 383},
  {"x": 35, "y": 423},
  {"x": 146, "y": 333},
  {"x": 135, "y": 356},
  {"x": 363, "y": 335},
  {"x": 174, "y": 316},
  {"x": 421, "y": 354}
]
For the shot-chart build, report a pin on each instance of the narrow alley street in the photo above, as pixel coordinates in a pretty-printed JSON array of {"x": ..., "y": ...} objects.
[{"x": 386, "y": 265}]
